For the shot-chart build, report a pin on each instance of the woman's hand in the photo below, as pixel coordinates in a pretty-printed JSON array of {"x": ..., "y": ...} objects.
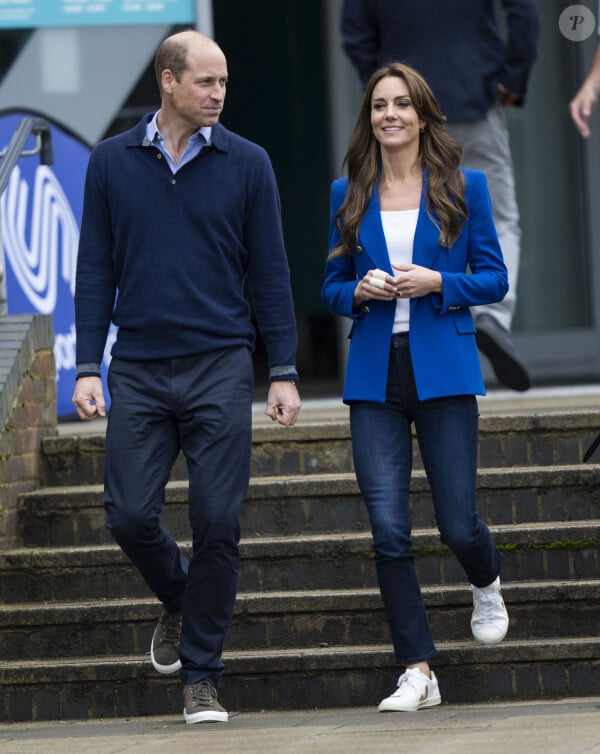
[
  {"x": 376, "y": 284},
  {"x": 415, "y": 281},
  {"x": 412, "y": 282}
]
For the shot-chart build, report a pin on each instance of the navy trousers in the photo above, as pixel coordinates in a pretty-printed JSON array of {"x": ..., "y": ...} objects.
[{"x": 201, "y": 405}]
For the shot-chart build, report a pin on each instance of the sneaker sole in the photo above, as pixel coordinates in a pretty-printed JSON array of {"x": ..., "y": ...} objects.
[
  {"x": 164, "y": 669},
  {"x": 209, "y": 716},
  {"x": 431, "y": 701},
  {"x": 497, "y": 640}
]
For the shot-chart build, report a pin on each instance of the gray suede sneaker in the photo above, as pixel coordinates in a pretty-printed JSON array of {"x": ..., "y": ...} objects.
[
  {"x": 200, "y": 704},
  {"x": 164, "y": 650}
]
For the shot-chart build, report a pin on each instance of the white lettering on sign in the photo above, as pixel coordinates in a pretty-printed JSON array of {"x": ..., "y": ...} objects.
[{"x": 51, "y": 249}]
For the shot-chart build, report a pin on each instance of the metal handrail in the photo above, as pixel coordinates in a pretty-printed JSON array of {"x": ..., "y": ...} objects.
[
  {"x": 43, "y": 145},
  {"x": 10, "y": 156}
]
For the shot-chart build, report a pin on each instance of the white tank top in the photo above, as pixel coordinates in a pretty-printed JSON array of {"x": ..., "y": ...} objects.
[{"x": 399, "y": 231}]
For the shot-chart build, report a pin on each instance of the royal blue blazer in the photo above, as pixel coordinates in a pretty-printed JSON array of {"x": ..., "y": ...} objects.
[{"x": 442, "y": 332}]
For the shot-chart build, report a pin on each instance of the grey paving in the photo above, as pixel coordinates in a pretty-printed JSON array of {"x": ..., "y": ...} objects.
[{"x": 560, "y": 727}]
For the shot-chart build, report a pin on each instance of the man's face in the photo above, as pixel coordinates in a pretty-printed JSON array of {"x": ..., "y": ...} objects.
[{"x": 198, "y": 96}]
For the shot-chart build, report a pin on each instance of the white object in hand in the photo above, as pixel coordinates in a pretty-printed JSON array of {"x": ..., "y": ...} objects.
[
  {"x": 380, "y": 274},
  {"x": 377, "y": 282}
]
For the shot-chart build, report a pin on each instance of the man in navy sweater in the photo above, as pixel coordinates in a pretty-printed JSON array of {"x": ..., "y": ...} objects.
[
  {"x": 178, "y": 214},
  {"x": 475, "y": 74}
]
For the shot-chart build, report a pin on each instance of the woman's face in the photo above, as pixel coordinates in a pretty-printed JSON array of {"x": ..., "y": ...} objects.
[{"x": 394, "y": 120}]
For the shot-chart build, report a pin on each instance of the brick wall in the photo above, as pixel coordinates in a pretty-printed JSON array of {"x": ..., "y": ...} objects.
[{"x": 27, "y": 411}]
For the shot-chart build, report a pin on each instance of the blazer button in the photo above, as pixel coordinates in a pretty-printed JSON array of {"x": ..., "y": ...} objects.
[
  {"x": 359, "y": 250},
  {"x": 366, "y": 310}
]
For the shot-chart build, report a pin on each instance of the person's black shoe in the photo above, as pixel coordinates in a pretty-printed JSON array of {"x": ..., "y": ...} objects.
[{"x": 495, "y": 342}]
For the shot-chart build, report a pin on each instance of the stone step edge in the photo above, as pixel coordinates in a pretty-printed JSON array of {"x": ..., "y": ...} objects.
[
  {"x": 318, "y": 659},
  {"x": 331, "y": 483},
  {"x": 567, "y": 534},
  {"x": 499, "y": 421},
  {"x": 253, "y": 603}
]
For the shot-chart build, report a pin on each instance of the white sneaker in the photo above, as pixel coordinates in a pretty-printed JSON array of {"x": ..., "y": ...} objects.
[
  {"x": 415, "y": 691},
  {"x": 489, "y": 622}
]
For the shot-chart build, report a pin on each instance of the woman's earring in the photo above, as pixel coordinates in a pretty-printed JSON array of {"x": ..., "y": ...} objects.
[{"x": 422, "y": 130}]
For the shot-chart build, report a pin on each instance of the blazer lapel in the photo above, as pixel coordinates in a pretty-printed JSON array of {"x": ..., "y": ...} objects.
[
  {"x": 426, "y": 246},
  {"x": 371, "y": 234}
]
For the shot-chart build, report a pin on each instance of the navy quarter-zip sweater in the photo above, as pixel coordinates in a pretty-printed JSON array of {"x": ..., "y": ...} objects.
[{"x": 176, "y": 250}]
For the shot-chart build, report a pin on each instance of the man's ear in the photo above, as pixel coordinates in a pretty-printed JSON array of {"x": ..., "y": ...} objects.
[{"x": 167, "y": 79}]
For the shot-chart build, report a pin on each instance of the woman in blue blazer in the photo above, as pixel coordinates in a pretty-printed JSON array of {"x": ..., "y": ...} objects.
[{"x": 412, "y": 247}]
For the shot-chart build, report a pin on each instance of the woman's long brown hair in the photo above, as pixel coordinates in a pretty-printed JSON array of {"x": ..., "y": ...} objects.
[{"x": 439, "y": 153}]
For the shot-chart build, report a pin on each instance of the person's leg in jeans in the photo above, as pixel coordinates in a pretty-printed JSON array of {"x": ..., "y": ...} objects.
[
  {"x": 382, "y": 450},
  {"x": 382, "y": 442},
  {"x": 447, "y": 431}
]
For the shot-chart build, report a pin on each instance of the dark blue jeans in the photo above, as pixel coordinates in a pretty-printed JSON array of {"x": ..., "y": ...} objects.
[
  {"x": 447, "y": 432},
  {"x": 201, "y": 405}
]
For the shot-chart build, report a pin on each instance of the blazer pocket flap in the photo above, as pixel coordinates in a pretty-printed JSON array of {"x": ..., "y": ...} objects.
[{"x": 464, "y": 324}]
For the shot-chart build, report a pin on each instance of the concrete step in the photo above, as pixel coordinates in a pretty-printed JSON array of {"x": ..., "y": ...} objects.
[
  {"x": 517, "y": 437},
  {"x": 296, "y": 678},
  {"x": 547, "y": 550},
  {"x": 321, "y": 503},
  {"x": 302, "y": 619}
]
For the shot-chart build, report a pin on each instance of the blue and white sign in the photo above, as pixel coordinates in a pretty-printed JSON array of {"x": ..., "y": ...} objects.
[
  {"x": 41, "y": 216},
  {"x": 28, "y": 14}
]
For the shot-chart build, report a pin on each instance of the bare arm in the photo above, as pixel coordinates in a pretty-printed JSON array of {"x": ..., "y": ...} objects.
[{"x": 582, "y": 105}]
